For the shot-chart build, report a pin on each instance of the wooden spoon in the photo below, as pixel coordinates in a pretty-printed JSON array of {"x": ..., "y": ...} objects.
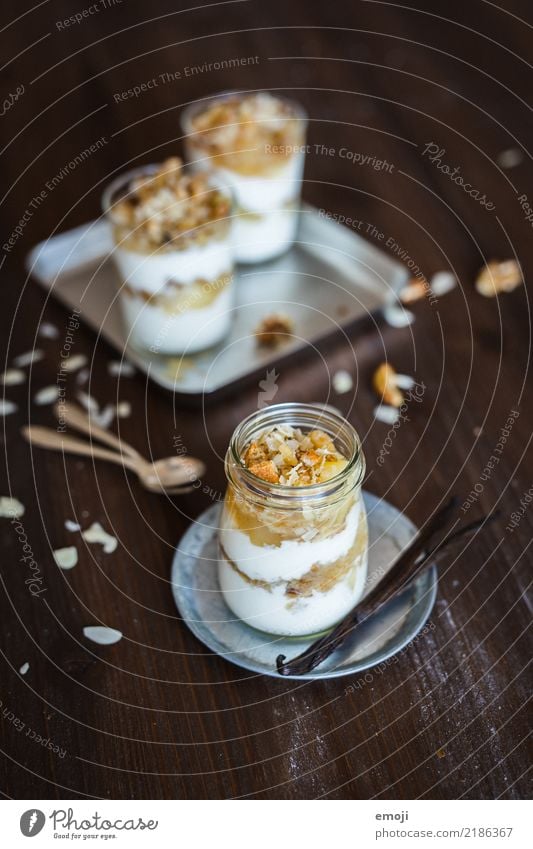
[
  {"x": 76, "y": 417},
  {"x": 167, "y": 475}
]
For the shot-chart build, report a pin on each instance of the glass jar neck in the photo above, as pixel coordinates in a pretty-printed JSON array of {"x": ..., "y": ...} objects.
[{"x": 306, "y": 417}]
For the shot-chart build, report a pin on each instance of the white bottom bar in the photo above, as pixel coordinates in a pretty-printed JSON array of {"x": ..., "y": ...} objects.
[{"x": 358, "y": 823}]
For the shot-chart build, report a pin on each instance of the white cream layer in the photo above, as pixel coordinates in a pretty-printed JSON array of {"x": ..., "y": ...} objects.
[
  {"x": 263, "y": 194},
  {"x": 190, "y": 329},
  {"x": 259, "y": 193},
  {"x": 151, "y": 272},
  {"x": 259, "y": 239},
  {"x": 274, "y": 612},
  {"x": 290, "y": 560},
  {"x": 187, "y": 332}
]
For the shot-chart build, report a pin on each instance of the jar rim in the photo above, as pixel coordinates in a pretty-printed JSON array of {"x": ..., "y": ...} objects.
[
  {"x": 319, "y": 416},
  {"x": 194, "y": 107}
]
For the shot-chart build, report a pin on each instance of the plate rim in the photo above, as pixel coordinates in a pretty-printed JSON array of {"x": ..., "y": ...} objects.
[{"x": 428, "y": 599}]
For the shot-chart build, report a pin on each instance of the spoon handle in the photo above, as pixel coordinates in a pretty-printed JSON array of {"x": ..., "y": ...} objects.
[
  {"x": 45, "y": 437},
  {"x": 78, "y": 419}
]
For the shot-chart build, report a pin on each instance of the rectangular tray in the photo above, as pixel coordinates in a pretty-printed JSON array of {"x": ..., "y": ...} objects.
[{"x": 329, "y": 279}]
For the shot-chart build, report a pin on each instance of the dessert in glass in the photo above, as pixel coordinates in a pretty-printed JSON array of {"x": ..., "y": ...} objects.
[
  {"x": 255, "y": 143},
  {"x": 293, "y": 536},
  {"x": 172, "y": 234}
]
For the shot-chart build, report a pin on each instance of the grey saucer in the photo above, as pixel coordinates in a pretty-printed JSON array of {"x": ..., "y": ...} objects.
[{"x": 204, "y": 611}]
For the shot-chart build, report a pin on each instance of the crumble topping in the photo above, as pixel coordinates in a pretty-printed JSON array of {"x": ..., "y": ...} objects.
[
  {"x": 288, "y": 456},
  {"x": 169, "y": 209},
  {"x": 273, "y": 330},
  {"x": 250, "y": 132}
]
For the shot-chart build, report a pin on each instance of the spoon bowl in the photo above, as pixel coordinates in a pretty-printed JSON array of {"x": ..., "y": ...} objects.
[
  {"x": 170, "y": 475},
  {"x": 170, "y": 472}
]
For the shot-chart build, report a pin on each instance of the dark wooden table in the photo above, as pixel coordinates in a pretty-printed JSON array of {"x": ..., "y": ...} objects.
[{"x": 158, "y": 715}]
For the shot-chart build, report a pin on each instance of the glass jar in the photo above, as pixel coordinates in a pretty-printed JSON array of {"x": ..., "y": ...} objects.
[
  {"x": 293, "y": 559},
  {"x": 177, "y": 292},
  {"x": 259, "y": 151}
]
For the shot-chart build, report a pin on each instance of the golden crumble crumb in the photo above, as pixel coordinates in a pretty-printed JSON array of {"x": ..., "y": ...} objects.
[
  {"x": 310, "y": 458},
  {"x": 266, "y": 470},
  {"x": 254, "y": 454},
  {"x": 273, "y": 329}
]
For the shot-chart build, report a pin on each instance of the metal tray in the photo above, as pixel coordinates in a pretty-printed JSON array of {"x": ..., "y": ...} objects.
[{"x": 329, "y": 279}]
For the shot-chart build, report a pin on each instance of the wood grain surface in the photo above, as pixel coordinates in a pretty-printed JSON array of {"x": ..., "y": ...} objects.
[{"x": 157, "y": 715}]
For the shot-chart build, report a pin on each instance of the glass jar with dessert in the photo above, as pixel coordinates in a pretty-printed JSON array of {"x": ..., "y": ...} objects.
[
  {"x": 171, "y": 230},
  {"x": 255, "y": 142},
  {"x": 293, "y": 533}
]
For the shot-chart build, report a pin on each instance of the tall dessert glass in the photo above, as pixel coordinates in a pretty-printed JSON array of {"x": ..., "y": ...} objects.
[
  {"x": 293, "y": 534},
  {"x": 255, "y": 143},
  {"x": 173, "y": 250}
]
